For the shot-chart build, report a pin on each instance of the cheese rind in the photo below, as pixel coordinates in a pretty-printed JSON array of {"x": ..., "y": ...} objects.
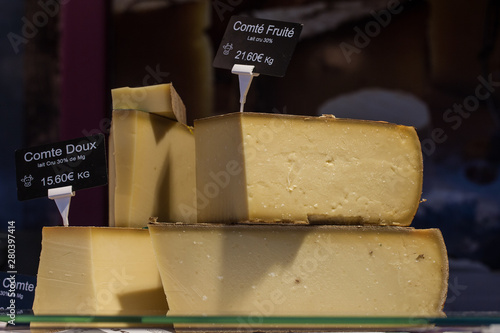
[
  {"x": 278, "y": 270},
  {"x": 152, "y": 169},
  {"x": 267, "y": 168},
  {"x": 98, "y": 271},
  {"x": 160, "y": 99}
]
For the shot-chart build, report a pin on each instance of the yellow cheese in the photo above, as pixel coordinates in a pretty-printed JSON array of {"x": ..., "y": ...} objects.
[
  {"x": 152, "y": 169},
  {"x": 161, "y": 99},
  {"x": 266, "y": 168},
  {"x": 98, "y": 271},
  {"x": 283, "y": 270}
]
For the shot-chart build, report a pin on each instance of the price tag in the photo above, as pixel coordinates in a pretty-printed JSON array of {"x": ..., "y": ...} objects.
[
  {"x": 266, "y": 44},
  {"x": 80, "y": 163},
  {"x": 17, "y": 292}
]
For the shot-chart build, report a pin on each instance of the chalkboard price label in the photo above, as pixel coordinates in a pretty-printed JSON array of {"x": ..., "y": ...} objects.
[
  {"x": 266, "y": 44},
  {"x": 80, "y": 163}
]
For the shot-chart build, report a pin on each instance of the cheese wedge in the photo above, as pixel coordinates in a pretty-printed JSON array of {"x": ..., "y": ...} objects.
[
  {"x": 98, "y": 271},
  {"x": 291, "y": 270},
  {"x": 152, "y": 169},
  {"x": 266, "y": 168},
  {"x": 160, "y": 99}
]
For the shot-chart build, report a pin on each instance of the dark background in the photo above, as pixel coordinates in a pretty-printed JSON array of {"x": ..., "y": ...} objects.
[{"x": 422, "y": 63}]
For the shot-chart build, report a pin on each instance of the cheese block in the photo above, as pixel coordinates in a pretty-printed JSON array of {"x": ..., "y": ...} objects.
[
  {"x": 267, "y": 168},
  {"x": 309, "y": 270},
  {"x": 161, "y": 99},
  {"x": 152, "y": 169},
  {"x": 97, "y": 271}
]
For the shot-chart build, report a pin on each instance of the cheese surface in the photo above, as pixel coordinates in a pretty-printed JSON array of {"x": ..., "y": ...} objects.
[
  {"x": 267, "y": 168},
  {"x": 273, "y": 270},
  {"x": 98, "y": 270},
  {"x": 160, "y": 99},
  {"x": 152, "y": 169}
]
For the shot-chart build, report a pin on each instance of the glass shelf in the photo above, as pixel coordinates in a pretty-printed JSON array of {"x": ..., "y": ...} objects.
[{"x": 457, "y": 321}]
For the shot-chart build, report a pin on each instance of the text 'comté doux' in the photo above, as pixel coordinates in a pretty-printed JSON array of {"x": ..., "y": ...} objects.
[
  {"x": 271, "y": 29},
  {"x": 57, "y": 152}
]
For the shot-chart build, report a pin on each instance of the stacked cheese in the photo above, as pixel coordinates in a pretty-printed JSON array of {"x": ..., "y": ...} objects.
[
  {"x": 303, "y": 216},
  {"x": 152, "y": 157},
  {"x": 112, "y": 271},
  {"x": 285, "y": 215}
]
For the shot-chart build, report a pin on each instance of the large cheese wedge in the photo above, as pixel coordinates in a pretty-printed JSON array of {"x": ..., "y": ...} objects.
[
  {"x": 161, "y": 99},
  {"x": 267, "y": 167},
  {"x": 310, "y": 270},
  {"x": 152, "y": 169},
  {"x": 97, "y": 271}
]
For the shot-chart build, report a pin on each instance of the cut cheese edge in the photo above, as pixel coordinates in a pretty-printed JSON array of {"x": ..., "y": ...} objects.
[
  {"x": 98, "y": 271},
  {"x": 269, "y": 168},
  {"x": 152, "y": 170},
  {"x": 160, "y": 99},
  {"x": 278, "y": 270}
]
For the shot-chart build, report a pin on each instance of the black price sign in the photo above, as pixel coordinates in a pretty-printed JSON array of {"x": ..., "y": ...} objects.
[
  {"x": 80, "y": 163},
  {"x": 266, "y": 44}
]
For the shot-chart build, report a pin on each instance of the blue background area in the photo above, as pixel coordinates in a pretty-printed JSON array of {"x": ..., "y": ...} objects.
[
  {"x": 466, "y": 211},
  {"x": 11, "y": 104}
]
